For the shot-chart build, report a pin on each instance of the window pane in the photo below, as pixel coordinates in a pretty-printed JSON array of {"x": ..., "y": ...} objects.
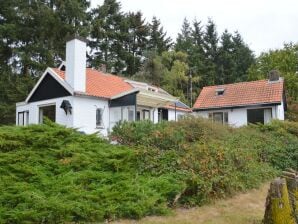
[
  {"x": 99, "y": 113},
  {"x": 21, "y": 118},
  {"x": 131, "y": 115},
  {"x": 226, "y": 117},
  {"x": 267, "y": 115},
  {"x": 255, "y": 116},
  {"x": 146, "y": 114},
  {"x": 218, "y": 117},
  {"x": 47, "y": 111}
]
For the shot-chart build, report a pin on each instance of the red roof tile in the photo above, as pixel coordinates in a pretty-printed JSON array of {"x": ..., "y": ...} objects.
[
  {"x": 99, "y": 84},
  {"x": 240, "y": 94}
]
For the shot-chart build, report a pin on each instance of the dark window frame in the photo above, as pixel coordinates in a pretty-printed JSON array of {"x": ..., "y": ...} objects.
[{"x": 255, "y": 110}]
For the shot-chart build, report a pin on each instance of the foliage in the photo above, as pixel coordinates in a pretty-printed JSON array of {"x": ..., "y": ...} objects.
[
  {"x": 219, "y": 159},
  {"x": 13, "y": 88},
  {"x": 52, "y": 174},
  {"x": 285, "y": 61}
]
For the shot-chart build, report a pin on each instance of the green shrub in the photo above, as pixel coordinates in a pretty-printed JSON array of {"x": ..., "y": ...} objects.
[{"x": 52, "y": 174}]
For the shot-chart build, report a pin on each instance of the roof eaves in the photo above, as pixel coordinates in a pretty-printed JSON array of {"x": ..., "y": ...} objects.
[{"x": 236, "y": 106}]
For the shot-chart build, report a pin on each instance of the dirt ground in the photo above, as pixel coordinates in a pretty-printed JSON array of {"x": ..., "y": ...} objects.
[{"x": 245, "y": 208}]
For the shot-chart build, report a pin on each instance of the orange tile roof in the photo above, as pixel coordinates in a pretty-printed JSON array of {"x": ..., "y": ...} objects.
[
  {"x": 99, "y": 84},
  {"x": 240, "y": 94}
]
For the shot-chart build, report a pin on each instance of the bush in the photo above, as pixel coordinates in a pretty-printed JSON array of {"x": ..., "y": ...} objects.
[{"x": 52, "y": 174}]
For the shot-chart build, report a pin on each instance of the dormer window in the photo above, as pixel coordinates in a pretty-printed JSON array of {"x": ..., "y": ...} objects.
[
  {"x": 151, "y": 89},
  {"x": 219, "y": 91}
]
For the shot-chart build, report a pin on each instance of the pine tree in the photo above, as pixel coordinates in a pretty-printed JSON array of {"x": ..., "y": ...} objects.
[
  {"x": 243, "y": 57},
  {"x": 107, "y": 36},
  {"x": 226, "y": 67},
  {"x": 184, "y": 41},
  {"x": 158, "y": 40},
  {"x": 136, "y": 42},
  {"x": 34, "y": 32},
  {"x": 211, "y": 53}
]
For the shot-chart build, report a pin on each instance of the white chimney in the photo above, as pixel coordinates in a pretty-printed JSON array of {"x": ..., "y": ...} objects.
[{"x": 75, "y": 73}]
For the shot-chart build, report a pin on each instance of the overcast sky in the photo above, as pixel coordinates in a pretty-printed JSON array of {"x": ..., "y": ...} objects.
[{"x": 264, "y": 24}]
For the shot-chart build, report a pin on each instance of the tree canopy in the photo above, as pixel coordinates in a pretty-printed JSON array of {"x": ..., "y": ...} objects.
[{"x": 33, "y": 36}]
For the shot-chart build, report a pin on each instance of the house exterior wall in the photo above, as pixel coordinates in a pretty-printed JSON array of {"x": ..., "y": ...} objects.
[
  {"x": 84, "y": 115},
  {"x": 171, "y": 114},
  {"x": 238, "y": 116},
  {"x": 33, "y": 108}
]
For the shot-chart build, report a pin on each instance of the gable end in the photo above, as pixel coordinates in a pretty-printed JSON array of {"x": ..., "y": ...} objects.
[{"x": 49, "y": 88}]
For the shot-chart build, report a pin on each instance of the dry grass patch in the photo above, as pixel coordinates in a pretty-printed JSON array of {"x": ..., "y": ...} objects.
[{"x": 245, "y": 208}]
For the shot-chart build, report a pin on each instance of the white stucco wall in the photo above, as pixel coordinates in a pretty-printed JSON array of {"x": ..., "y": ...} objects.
[
  {"x": 84, "y": 114},
  {"x": 171, "y": 114},
  {"x": 238, "y": 117},
  {"x": 33, "y": 108}
]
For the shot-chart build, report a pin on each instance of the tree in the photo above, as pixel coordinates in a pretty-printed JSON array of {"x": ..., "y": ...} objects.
[
  {"x": 211, "y": 53},
  {"x": 243, "y": 58},
  {"x": 184, "y": 41},
  {"x": 285, "y": 61},
  {"x": 34, "y": 32},
  {"x": 136, "y": 42},
  {"x": 158, "y": 40},
  {"x": 108, "y": 28},
  {"x": 227, "y": 70}
]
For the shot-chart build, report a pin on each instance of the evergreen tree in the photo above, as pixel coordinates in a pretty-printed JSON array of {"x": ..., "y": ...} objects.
[
  {"x": 34, "y": 32},
  {"x": 184, "y": 41},
  {"x": 226, "y": 67},
  {"x": 136, "y": 42},
  {"x": 211, "y": 53},
  {"x": 107, "y": 36},
  {"x": 243, "y": 58},
  {"x": 158, "y": 40}
]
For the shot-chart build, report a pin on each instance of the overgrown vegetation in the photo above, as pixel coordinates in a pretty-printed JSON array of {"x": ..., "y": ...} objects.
[{"x": 52, "y": 174}]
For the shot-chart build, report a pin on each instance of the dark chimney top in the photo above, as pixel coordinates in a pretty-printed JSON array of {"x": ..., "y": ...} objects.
[{"x": 274, "y": 76}]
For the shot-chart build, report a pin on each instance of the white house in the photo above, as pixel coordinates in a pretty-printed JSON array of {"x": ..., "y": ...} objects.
[
  {"x": 93, "y": 101},
  {"x": 241, "y": 103}
]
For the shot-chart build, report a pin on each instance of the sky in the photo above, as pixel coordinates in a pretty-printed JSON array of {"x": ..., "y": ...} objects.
[{"x": 263, "y": 24}]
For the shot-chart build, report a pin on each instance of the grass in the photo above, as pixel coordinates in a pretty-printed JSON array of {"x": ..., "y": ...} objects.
[{"x": 243, "y": 208}]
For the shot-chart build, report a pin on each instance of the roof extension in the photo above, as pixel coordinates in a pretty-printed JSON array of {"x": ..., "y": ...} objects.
[{"x": 240, "y": 94}]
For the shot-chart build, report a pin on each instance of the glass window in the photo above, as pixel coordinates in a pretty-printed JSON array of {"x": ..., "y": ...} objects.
[
  {"x": 218, "y": 117},
  {"x": 262, "y": 116},
  {"x": 21, "y": 118},
  {"x": 99, "y": 117},
  {"x": 146, "y": 114},
  {"x": 48, "y": 112},
  {"x": 131, "y": 115},
  {"x": 221, "y": 117}
]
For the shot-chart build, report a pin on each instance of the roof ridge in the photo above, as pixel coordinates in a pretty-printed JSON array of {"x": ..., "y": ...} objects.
[{"x": 245, "y": 82}]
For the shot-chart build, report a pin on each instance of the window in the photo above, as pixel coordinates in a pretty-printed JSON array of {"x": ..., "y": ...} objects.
[
  {"x": 138, "y": 115},
  {"x": 131, "y": 115},
  {"x": 23, "y": 118},
  {"x": 146, "y": 114},
  {"x": 262, "y": 116},
  {"x": 221, "y": 117},
  {"x": 48, "y": 112},
  {"x": 99, "y": 118},
  {"x": 219, "y": 92}
]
